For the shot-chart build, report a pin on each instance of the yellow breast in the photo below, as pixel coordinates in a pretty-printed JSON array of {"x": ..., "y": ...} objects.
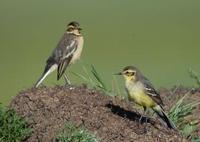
[{"x": 137, "y": 94}]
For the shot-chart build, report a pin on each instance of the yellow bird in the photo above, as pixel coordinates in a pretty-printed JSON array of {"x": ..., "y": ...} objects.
[{"x": 141, "y": 91}]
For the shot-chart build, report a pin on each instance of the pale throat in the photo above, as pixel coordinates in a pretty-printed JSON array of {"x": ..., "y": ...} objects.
[{"x": 134, "y": 86}]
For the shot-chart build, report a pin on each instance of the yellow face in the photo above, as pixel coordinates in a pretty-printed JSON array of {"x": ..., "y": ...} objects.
[{"x": 129, "y": 75}]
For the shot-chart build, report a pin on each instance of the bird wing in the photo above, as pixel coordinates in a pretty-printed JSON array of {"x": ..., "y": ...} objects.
[
  {"x": 64, "y": 51},
  {"x": 149, "y": 89}
]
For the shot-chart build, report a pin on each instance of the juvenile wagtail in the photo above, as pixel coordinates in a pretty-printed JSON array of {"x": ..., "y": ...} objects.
[
  {"x": 141, "y": 91},
  {"x": 67, "y": 51}
]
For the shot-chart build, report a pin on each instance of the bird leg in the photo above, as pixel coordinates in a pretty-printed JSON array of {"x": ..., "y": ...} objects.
[
  {"x": 144, "y": 117},
  {"x": 141, "y": 117},
  {"x": 140, "y": 120},
  {"x": 67, "y": 81},
  {"x": 145, "y": 112}
]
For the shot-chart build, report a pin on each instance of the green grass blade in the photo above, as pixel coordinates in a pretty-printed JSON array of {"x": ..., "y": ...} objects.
[
  {"x": 97, "y": 77},
  {"x": 92, "y": 82},
  {"x": 194, "y": 76},
  {"x": 80, "y": 76}
]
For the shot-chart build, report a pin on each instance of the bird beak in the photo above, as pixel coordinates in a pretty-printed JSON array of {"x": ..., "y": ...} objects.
[
  {"x": 120, "y": 73},
  {"x": 79, "y": 29}
]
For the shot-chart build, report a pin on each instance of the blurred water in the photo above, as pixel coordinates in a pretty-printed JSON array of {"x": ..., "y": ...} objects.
[{"x": 159, "y": 37}]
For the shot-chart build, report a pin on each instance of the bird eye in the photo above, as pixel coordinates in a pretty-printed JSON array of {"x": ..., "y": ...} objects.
[
  {"x": 126, "y": 72},
  {"x": 129, "y": 73}
]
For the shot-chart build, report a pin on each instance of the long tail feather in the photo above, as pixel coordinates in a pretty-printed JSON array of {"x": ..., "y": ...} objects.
[
  {"x": 45, "y": 74},
  {"x": 160, "y": 112}
]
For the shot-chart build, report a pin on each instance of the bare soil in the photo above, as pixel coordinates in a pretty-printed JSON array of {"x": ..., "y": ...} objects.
[{"x": 111, "y": 119}]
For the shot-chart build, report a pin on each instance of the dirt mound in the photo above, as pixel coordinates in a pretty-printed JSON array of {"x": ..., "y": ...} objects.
[{"x": 111, "y": 119}]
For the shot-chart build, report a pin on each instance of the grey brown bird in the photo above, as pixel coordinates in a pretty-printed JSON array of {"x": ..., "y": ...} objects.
[{"x": 67, "y": 51}]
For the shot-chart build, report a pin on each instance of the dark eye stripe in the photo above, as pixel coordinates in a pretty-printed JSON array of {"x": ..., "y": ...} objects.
[
  {"x": 126, "y": 72},
  {"x": 129, "y": 73},
  {"x": 133, "y": 73}
]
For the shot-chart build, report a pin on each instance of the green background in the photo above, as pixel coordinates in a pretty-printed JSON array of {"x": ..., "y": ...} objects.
[{"x": 161, "y": 38}]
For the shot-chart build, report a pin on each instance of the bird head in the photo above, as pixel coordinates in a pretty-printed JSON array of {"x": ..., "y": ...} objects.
[
  {"x": 130, "y": 73},
  {"x": 73, "y": 26}
]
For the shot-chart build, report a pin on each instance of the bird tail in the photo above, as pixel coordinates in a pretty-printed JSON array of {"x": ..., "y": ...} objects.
[
  {"x": 160, "y": 112},
  {"x": 48, "y": 69}
]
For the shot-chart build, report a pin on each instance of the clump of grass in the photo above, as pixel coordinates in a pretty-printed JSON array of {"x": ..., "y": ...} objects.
[
  {"x": 71, "y": 133},
  {"x": 180, "y": 111},
  {"x": 94, "y": 79},
  {"x": 99, "y": 80},
  {"x": 13, "y": 128}
]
